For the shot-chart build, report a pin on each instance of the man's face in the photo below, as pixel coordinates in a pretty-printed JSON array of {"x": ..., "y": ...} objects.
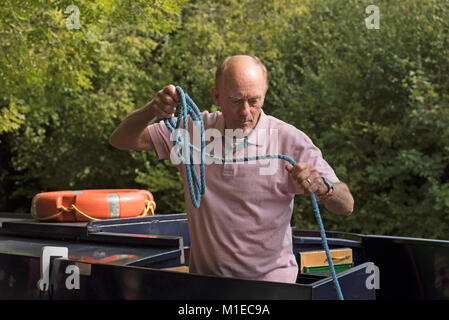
[{"x": 240, "y": 94}]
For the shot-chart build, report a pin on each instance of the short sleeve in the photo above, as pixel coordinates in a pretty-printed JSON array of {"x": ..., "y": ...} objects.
[
  {"x": 160, "y": 135},
  {"x": 307, "y": 152}
]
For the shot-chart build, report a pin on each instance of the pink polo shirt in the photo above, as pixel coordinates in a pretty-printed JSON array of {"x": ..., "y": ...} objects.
[{"x": 242, "y": 228}]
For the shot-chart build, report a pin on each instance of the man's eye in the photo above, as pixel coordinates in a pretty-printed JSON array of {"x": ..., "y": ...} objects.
[{"x": 253, "y": 101}]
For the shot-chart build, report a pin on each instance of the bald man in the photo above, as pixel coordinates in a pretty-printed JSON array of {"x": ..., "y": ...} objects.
[{"x": 242, "y": 228}]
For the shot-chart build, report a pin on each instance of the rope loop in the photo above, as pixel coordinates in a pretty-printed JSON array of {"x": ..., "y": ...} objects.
[{"x": 197, "y": 185}]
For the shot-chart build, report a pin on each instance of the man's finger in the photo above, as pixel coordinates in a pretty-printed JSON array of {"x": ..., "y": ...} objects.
[
  {"x": 165, "y": 112},
  {"x": 168, "y": 109},
  {"x": 302, "y": 166},
  {"x": 168, "y": 100},
  {"x": 172, "y": 92}
]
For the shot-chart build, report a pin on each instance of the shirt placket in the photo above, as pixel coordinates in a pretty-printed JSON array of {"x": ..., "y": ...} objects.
[{"x": 228, "y": 167}]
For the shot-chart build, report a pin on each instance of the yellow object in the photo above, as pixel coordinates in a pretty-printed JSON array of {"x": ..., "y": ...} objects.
[
  {"x": 179, "y": 269},
  {"x": 318, "y": 258}
]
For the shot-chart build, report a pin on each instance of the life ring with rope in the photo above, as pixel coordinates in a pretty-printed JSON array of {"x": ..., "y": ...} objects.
[{"x": 89, "y": 205}]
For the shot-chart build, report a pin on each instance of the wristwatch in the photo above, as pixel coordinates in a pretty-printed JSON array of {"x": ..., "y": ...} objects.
[{"x": 330, "y": 189}]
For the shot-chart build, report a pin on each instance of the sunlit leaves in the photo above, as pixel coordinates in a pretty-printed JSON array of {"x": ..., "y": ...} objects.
[
  {"x": 64, "y": 90},
  {"x": 375, "y": 101}
]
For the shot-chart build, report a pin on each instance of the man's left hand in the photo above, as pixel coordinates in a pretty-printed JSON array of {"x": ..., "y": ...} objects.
[{"x": 308, "y": 178}]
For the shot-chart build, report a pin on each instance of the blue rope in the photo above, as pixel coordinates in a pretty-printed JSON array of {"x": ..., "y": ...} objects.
[{"x": 197, "y": 185}]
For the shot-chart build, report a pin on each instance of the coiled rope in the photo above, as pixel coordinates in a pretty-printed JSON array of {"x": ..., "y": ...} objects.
[{"x": 197, "y": 185}]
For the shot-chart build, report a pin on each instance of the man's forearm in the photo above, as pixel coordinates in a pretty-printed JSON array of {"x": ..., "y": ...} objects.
[
  {"x": 132, "y": 134},
  {"x": 129, "y": 135},
  {"x": 341, "y": 202}
]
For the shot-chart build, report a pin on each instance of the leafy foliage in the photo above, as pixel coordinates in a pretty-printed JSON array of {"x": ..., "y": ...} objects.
[
  {"x": 375, "y": 101},
  {"x": 64, "y": 90}
]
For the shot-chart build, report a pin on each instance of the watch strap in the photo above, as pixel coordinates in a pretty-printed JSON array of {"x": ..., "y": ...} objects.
[{"x": 330, "y": 190}]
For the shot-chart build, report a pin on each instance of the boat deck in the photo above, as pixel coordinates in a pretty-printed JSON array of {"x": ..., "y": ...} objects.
[{"x": 147, "y": 258}]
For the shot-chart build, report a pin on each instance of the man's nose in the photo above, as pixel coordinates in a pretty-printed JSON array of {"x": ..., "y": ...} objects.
[{"x": 245, "y": 110}]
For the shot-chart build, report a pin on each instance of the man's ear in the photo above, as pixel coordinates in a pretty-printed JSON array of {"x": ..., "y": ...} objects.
[{"x": 215, "y": 96}]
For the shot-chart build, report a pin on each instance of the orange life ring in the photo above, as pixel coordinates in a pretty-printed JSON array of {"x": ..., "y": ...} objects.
[{"x": 87, "y": 205}]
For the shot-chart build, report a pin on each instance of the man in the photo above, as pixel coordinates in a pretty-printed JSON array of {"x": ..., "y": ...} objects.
[{"x": 242, "y": 228}]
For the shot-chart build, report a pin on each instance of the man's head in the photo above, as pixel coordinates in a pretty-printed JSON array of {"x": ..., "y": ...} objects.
[{"x": 241, "y": 83}]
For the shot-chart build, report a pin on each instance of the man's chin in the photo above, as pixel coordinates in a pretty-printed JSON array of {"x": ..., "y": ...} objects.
[
  {"x": 245, "y": 129},
  {"x": 242, "y": 129},
  {"x": 246, "y": 126}
]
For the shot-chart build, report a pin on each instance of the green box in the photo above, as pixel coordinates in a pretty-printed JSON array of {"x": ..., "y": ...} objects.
[{"x": 339, "y": 267}]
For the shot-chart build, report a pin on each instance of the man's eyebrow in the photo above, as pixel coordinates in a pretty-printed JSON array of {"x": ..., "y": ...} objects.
[{"x": 241, "y": 98}]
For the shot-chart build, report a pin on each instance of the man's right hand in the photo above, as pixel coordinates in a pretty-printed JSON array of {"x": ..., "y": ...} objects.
[
  {"x": 165, "y": 103},
  {"x": 132, "y": 133}
]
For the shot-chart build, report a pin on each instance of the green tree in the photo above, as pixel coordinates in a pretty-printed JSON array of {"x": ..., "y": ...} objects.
[
  {"x": 63, "y": 91},
  {"x": 375, "y": 101}
]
